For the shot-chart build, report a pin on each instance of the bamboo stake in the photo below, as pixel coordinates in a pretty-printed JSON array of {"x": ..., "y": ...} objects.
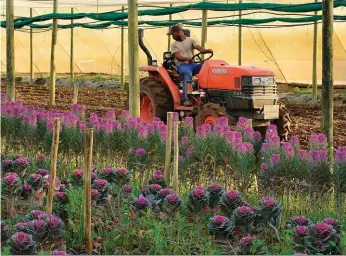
[
  {"x": 72, "y": 83},
  {"x": 31, "y": 54},
  {"x": 327, "y": 71},
  {"x": 168, "y": 156},
  {"x": 176, "y": 157},
  {"x": 52, "y": 56},
  {"x": 88, "y": 153},
  {"x": 240, "y": 40},
  {"x": 54, "y": 159},
  {"x": 314, "y": 63},
  {"x": 10, "y": 65},
  {"x": 122, "y": 86}
]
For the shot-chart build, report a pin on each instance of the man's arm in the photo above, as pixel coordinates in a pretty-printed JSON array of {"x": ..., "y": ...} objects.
[
  {"x": 203, "y": 50},
  {"x": 181, "y": 58}
]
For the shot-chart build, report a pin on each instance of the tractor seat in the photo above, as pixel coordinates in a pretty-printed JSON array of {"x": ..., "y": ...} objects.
[{"x": 171, "y": 67}]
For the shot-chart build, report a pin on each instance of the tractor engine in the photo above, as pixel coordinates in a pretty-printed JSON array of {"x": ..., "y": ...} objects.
[{"x": 244, "y": 91}]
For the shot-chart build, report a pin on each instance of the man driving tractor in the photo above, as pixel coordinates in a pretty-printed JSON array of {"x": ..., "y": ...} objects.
[{"x": 182, "y": 49}]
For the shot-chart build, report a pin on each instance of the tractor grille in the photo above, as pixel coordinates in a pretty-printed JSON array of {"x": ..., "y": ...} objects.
[{"x": 258, "y": 90}]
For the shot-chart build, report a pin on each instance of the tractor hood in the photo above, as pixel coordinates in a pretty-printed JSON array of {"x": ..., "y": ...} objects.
[{"x": 218, "y": 74}]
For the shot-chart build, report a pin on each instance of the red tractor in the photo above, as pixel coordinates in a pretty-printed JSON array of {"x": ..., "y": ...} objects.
[{"x": 218, "y": 90}]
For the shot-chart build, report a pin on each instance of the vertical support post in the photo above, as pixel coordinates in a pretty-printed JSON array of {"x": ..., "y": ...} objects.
[
  {"x": 52, "y": 56},
  {"x": 88, "y": 154},
  {"x": 54, "y": 160},
  {"x": 10, "y": 68},
  {"x": 204, "y": 28},
  {"x": 240, "y": 40},
  {"x": 72, "y": 83},
  {"x": 134, "y": 87},
  {"x": 314, "y": 63},
  {"x": 176, "y": 157},
  {"x": 122, "y": 56},
  {"x": 169, "y": 36},
  {"x": 327, "y": 73},
  {"x": 168, "y": 155},
  {"x": 31, "y": 54}
]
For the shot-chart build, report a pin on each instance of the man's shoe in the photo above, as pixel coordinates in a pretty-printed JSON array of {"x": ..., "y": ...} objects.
[{"x": 187, "y": 103}]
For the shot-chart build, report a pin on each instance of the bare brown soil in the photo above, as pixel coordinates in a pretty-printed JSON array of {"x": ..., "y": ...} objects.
[{"x": 306, "y": 116}]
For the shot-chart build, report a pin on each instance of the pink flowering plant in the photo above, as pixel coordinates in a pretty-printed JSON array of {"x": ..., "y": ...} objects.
[
  {"x": 11, "y": 185},
  {"x": 249, "y": 245},
  {"x": 197, "y": 200},
  {"x": 244, "y": 217},
  {"x": 215, "y": 191},
  {"x": 171, "y": 204},
  {"x": 339, "y": 175}
]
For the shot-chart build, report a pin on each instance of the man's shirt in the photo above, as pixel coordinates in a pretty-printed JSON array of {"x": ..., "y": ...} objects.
[{"x": 185, "y": 48}]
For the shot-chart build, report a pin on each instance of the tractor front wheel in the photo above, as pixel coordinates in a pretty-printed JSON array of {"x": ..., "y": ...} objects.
[
  {"x": 209, "y": 113},
  {"x": 155, "y": 100}
]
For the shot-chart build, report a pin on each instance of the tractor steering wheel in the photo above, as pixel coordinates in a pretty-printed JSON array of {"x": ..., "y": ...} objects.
[{"x": 199, "y": 59}]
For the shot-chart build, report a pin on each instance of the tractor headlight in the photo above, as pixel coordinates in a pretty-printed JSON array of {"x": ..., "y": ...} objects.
[
  {"x": 263, "y": 80},
  {"x": 256, "y": 80}
]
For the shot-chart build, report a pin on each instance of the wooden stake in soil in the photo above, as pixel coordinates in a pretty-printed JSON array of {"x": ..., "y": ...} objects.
[
  {"x": 240, "y": 40},
  {"x": 31, "y": 54},
  {"x": 168, "y": 155},
  {"x": 169, "y": 36},
  {"x": 327, "y": 73},
  {"x": 122, "y": 86},
  {"x": 88, "y": 154},
  {"x": 10, "y": 68},
  {"x": 314, "y": 62},
  {"x": 204, "y": 27},
  {"x": 72, "y": 83},
  {"x": 176, "y": 157},
  {"x": 52, "y": 56},
  {"x": 133, "y": 49},
  {"x": 54, "y": 159}
]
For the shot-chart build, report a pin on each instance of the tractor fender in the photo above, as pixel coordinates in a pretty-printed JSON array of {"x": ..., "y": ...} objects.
[{"x": 161, "y": 74}]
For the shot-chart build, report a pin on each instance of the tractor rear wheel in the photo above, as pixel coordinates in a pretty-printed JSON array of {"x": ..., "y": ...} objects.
[
  {"x": 209, "y": 113},
  {"x": 155, "y": 100},
  {"x": 283, "y": 123}
]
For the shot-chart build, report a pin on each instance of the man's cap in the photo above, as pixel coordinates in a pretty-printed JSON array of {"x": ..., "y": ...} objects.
[{"x": 174, "y": 28}]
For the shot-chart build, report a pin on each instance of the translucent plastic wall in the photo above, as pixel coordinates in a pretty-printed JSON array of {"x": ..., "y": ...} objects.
[{"x": 287, "y": 51}]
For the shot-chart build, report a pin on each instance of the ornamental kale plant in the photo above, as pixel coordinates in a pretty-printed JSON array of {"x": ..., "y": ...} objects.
[
  {"x": 270, "y": 211},
  {"x": 230, "y": 200},
  {"x": 250, "y": 246},
  {"x": 197, "y": 201},
  {"x": 11, "y": 185},
  {"x": 140, "y": 205},
  {"x": 5, "y": 234},
  {"x": 171, "y": 204},
  {"x": 22, "y": 244},
  {"x": 158, "y": 178},
  {"x": 244, "y": 217},
  {"x": 122, "y": 176},
  {"x": 220, "y": 226},
  {"x": 215, "y": 191}
]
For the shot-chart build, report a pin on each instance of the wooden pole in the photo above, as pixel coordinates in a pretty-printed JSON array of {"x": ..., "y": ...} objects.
[
  {"x": 176, "y": 157},
  {"x": 240, "y": 40},
  {"x": 10, "y": 67},
  {"x": 169, "y": 36},
  {"x": 72, "y": 83},
  {"x": 122, "y": 86},
  {"x": 88, "y": 154},
  {"x": 204, "y": 28},
  {"x": 327, "y": 73},
  {"x": 168, "y": 147},
  {"x": 134, "y": 87},
  {"x": 31, "y": 54},
  {"x": 314, "y": 63},
  {"x": 54, "y": 160},
  {"x": 52, "y": 56}
]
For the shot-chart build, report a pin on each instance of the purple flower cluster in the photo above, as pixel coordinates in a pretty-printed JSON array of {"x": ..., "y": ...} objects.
[
  {"x": 318, "y": 157},
  {"x": 203, "y": 130},
  {"x": 340, "y": 156},
  {"x": 318, "y": 141}
]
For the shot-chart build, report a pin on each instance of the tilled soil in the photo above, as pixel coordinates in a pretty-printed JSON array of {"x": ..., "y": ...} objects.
[{"x": 306, "y": 116}]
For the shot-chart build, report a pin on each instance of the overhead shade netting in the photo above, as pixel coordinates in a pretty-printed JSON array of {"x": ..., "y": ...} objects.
[{"x": 280, "y": 47}]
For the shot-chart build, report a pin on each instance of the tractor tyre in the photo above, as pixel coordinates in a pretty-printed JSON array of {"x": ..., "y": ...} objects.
[
  {"x": 283, "y": 123},
  {"x": 155, "y": 100},
  {"x": 209, "y": 113}
]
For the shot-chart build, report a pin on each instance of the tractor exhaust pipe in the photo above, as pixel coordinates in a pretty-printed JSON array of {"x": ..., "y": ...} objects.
[{"x": 144, "y": 48}]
